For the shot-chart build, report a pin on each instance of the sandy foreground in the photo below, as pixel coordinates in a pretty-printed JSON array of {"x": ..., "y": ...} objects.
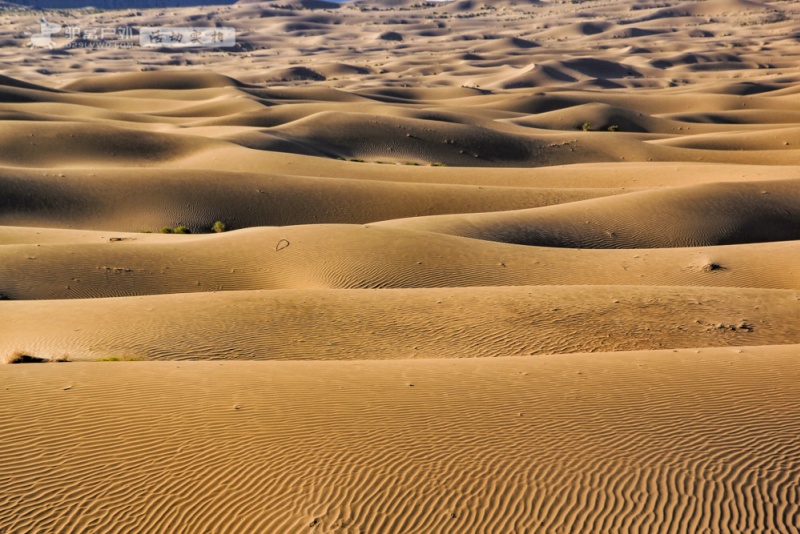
[
  {"x": 647, "y": 441},
  {"x": 494, "y": 267}
]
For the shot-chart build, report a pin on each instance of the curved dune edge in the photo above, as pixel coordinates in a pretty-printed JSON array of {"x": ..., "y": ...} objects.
[
  {"x": 666, "y": 441},
  {"x": 333, "y": 324},
  {"x": 148, "y": 199},
  {"x": 47, "y": 264},
  {"x": 700, "y": 215}
]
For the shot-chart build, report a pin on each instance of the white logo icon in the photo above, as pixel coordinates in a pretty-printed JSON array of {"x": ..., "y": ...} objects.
[{"x": 44, "y": 38}]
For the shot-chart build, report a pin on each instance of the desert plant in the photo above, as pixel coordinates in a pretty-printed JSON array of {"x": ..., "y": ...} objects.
[
  {"x": 218, "y": 227},
  {"x": 177, "y": 230},
  {"x": 586, "y": 126},
  {"x": 613, "y": 128}
]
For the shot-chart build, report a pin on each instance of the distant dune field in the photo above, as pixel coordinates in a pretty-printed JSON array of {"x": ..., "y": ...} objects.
[{"x": 403, "y": 267}]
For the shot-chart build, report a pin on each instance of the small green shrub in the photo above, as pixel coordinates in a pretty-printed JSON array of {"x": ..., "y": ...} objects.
[
  {"x": 586, "y": 126},
  {"x": 218, "y": 227},
  {"x": 177, "y": 230},
  {"x": 613, "y": 128}
]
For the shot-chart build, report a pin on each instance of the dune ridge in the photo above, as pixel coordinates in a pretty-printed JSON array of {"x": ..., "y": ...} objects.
[
  {"x": 43, "y": 264},
  {"x": 702, "y": 215},
  {"x": 385, "y": 324}
]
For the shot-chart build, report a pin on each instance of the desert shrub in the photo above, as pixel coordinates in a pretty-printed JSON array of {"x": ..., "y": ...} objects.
[
  {"x": 218, "y": 227},
  {"x": 177, "y": 230},
  {"x": 613, "y": 128},
  {"x": 586, "y": 126}
]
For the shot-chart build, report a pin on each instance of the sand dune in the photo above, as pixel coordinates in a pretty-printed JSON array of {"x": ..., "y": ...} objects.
[
  {"x": 139, "y": 200},
  {"x": 436, "y": 231},
  {"x": 151, "y": 80},
  {"x": 37, "y": 144},
  {"x": 712, "y": 214},
  {"x": 57, "y": 264},
  {"x": 397, "y": 324}
]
